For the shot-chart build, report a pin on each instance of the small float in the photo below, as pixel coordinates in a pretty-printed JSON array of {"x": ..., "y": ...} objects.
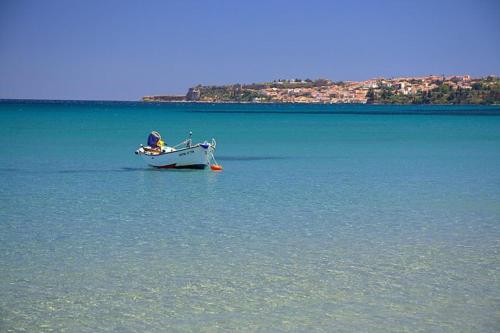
[{"x": 184, "y": 155}]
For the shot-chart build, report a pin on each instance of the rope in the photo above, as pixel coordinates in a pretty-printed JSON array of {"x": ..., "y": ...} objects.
[{"x": 213, "y": 158}]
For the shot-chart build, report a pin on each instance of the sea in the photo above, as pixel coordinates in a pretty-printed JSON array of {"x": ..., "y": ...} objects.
[{"x": 326, "y": 218}]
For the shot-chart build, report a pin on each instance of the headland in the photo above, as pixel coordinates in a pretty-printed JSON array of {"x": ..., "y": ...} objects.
[{"x": 432, "y": 89}]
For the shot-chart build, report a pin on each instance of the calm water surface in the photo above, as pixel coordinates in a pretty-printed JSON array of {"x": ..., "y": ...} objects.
[{"x": 325, "y": 218}]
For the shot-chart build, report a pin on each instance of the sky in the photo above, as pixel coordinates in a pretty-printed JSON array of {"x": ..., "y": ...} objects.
[{"x": 122, "y": 50}]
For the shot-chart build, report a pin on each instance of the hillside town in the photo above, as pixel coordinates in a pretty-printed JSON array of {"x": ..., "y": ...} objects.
[{"x": 433, "y": 89}]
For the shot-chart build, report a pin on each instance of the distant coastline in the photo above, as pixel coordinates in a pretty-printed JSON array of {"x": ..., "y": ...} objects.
[{"x": 433, "y": 89}]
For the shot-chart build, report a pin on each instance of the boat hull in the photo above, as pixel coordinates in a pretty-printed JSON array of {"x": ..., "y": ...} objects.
[{"x": 196, "y": 157}]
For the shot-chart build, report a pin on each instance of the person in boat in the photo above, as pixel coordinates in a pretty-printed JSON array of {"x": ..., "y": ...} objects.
[{"x": 155, "y": 142}]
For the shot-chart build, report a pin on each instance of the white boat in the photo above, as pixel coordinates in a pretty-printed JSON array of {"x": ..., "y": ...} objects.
[{"x": 185, "y": 155}]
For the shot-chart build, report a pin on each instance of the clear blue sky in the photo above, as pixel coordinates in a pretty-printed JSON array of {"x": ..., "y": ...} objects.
[{"x": 121, "y": 50}]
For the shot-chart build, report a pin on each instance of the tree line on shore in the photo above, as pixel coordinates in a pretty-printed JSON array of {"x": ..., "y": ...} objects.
[{"x": 483, "y": 91}]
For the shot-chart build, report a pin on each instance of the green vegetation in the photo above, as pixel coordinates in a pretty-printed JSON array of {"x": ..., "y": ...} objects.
[
  {"x": 231, "y": 93},
  {"x": 481, "y": 91},
  {"x": 253, "y": 92}
]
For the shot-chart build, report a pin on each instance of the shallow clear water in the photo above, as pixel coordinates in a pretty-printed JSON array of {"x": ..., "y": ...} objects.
[{"x": 325, "y": 218}]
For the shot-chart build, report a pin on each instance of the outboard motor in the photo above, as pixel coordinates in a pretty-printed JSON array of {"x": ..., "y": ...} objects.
[{"x": 153, "y": 139}]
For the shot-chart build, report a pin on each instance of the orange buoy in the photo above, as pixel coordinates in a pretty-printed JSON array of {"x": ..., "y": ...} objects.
[{"x": 216, "y": 167}]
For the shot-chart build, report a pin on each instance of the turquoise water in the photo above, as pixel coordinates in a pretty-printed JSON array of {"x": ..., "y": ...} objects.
[{"x": 325, "y": 219}]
